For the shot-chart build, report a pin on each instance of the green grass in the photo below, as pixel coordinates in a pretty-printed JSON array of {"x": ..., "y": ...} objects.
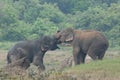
[
  {"x": 5, "y": 45},
  {"x": 106, "y": 64},
  {"x": 105, "y": 69},
  {"x": 116, "y": 48}
]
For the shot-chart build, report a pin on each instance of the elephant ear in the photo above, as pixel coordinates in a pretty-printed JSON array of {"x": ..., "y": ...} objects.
[
  {"x": 69, "y": 38},
  {"x": 68, "y": 34}
]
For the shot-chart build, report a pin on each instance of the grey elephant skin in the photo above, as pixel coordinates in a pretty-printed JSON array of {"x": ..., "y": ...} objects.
[
  {"x": 84, "y": 42},
  {"x": 31, "y": 51}
]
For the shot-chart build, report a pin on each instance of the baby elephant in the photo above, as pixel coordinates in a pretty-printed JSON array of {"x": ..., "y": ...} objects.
[{"x": 25, "y": 52}]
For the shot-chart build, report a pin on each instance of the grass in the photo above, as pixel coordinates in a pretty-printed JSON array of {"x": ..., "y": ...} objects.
[
  {"x": 5, "y": 45},
  {"x": 115, "y": 48},
  {"x": 100, "y": 64},
  {"x": 107, "y": 69}
]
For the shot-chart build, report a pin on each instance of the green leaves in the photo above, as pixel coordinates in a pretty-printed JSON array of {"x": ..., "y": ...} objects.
[
  {"x": 29, "y": 19},
  {"x": 44, "y": 27}
]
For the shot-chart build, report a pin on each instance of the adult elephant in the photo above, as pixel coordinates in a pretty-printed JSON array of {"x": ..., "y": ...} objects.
[
  {"x": 84, "y": 42},
  {"x": 31, "y": 51}
]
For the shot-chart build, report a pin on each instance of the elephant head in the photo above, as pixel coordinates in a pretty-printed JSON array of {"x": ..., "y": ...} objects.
[
  {"x": 53, "y": 43},
  {"x": 65, "y": 36},
  {"x": 49, "y": 43}
]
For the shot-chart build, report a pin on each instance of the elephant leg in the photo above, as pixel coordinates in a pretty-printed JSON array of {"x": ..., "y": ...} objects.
[
  {"x": 92, "y": 54},
  {"x": 101, "y": 54},
  {"x": 102, "y": 50},
  {"x": 38, "y": 61},
  {"x": 96, "y": 54},
  {"x": 96, "y": 51},
  {"x": 23, "y": 63},
  {"x": 82, "y": 57},
  {"x": 76, "y": 55},
  {"x": 26, "y": 63}
]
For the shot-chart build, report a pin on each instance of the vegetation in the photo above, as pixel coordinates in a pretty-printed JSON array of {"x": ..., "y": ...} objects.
[
  {"x": 29, "y": 19},
  {"x": 99, "y": 70},
  {"x": 107, "y": 69},
  {"x": 6, "y": 45}
]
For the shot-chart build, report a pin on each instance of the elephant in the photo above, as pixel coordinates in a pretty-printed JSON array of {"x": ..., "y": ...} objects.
[
  {"x": 84, "y": 42},
  {"x": 31, "y": 51}
]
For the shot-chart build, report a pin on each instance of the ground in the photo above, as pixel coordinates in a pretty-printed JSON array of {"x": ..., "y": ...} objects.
[{"x": 53, "y": 60}]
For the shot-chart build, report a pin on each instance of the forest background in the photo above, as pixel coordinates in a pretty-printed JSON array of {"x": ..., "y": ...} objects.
[{"x": 30, "y": 19}]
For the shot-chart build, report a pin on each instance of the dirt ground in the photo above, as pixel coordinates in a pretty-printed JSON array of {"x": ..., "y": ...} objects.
[
  {"x": 53, "y": 59},
  {"x": 3, "y": 54}
]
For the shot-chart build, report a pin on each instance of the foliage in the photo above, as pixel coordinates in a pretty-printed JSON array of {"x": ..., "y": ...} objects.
[
  {"x": 6, "y": 45},
  {"x": 29, "y": 19}
]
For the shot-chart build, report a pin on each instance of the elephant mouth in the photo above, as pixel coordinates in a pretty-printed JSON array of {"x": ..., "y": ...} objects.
[
  {"x": 54, "y": 48},
  {"x": 65, "y": 41},
  {"x": 68, "y": 42},
  {"x": 59, "y": 42}
]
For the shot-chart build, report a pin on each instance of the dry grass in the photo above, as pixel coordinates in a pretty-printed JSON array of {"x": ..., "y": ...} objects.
[{"x": 108, "y": 69}]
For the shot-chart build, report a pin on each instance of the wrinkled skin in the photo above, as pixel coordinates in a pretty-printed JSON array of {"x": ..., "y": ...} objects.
[
  {"x": 25, "y": 52},
  {"x": 84, "y": 42}
]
